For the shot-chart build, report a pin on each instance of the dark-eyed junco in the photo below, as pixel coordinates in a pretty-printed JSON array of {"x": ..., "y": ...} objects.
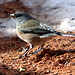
[{"x": 33, "y": 31}]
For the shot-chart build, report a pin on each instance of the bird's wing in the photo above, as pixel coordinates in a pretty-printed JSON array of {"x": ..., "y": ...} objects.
[
  {"x": 36, "y": 27},
  {"x": 38, "y": 31},
  {"x": 46, "y": 27}
]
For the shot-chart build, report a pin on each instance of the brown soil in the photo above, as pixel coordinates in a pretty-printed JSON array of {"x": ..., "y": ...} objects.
[
  {"x": 10, "y": 7},
  {"x": 56, "y": 58}
]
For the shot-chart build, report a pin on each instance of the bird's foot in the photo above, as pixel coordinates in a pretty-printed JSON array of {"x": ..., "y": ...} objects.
[
  {"x": 25, "y": 54},
  {"x": 30, "y": 54},
  {"x": 23, "y": 49},
  {"x": 37, "y": 50},
  {"x": 27, "y": 50}
]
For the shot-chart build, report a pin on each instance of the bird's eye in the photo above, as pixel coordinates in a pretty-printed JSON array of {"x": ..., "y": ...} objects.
[{"x": 18, "y": 15}]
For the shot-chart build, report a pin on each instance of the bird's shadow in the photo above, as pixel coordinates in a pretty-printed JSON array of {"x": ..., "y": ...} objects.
[{"x": 47, "y": 53}]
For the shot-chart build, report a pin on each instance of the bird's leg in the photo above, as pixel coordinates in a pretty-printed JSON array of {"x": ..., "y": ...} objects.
[
  {"x": 31, "y": 46},
  {"x": 30, "y": 54},
  {"x": 27, "y": 50},
  {"x": 38, "y": 50}
]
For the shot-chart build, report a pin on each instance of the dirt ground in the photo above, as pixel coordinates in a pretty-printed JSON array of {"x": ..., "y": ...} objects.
[{"x": 57, "y": 56}]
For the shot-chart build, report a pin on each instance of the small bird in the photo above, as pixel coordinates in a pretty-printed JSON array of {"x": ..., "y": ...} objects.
[{"x": 33, "y": 31}]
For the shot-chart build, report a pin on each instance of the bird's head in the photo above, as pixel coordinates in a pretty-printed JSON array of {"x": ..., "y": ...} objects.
[
  {"x": 21, "y": 17},
  {"x": 20, "y": 14}
]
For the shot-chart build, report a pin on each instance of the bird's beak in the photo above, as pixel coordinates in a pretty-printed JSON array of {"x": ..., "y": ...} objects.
[{"x": 12, "y": 15}]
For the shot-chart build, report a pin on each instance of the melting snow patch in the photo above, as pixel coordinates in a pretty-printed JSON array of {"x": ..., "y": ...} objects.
[{"x": 67, "y": 25}]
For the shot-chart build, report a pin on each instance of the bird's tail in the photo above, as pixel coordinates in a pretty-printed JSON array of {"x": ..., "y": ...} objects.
[
  {"x": 57, "y": 34},
  {"x": 65, "y": 34}
]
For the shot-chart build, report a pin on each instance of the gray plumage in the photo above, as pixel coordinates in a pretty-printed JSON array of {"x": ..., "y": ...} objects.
[
  {"x": 28, "y": 24},
  {"x": 32, "y": 31}
]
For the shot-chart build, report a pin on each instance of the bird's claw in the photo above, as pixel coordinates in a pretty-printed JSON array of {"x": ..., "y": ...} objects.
[
  {"x": 27, "y": 50},
  {"x": 37, "y": 50},
  {"x": 23, "y": 49}
]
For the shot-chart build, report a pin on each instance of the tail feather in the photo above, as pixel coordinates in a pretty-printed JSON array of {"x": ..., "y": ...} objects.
[
  {"x": 64, "y": 34},
  {"x": 57, "y": 34}
]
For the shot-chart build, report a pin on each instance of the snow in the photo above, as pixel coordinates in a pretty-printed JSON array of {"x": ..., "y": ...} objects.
[
  {"x": 60, "y": 15},
  {"x": 7, "y": 27},
  {"x": 69, "y": 26}
]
